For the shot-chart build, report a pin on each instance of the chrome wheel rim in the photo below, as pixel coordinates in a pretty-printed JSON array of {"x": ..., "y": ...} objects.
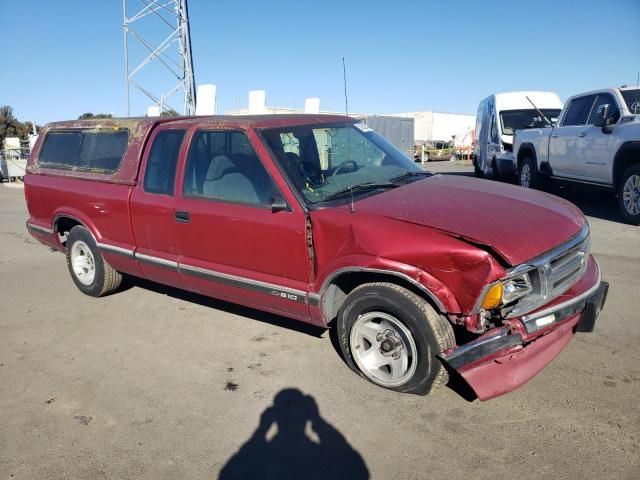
[
  {"x": 83, "y": 263},
  {"x": 525, "y": 176},
  {"x": 631, "y": 195},
  {"x": 383, "y": 349}
]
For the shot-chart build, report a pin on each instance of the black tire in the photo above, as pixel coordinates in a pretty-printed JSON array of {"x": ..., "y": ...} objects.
[
  {"x": 431, "y": 333},
  {"x": 495, "y": 173},
  {"x": 105, "y": 279},
  {"x": 631, "y": 210},
  {"x": 528, "y": 176},
  {"x": 477, "y": 171}
]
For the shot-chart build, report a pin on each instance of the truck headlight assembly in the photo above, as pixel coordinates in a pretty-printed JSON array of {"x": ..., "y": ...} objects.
[{"x": 507, "y": 291}]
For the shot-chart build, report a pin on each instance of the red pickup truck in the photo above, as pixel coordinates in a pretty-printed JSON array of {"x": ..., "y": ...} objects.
[{"x": 320, "y": 219}]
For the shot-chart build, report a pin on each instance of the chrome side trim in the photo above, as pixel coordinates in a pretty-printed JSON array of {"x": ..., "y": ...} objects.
[
  {"x": 314, "y": 299},
  {"x": 155, "y": 260},
  {"x": 33, "y": 226},
  {"x": 113, "y": 249},
  {"x": 241, "y": 282},
  {"x": 405, "y": 277}
]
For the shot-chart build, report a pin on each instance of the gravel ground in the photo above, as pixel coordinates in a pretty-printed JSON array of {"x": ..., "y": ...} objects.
[{"x": 156, "y": 383}]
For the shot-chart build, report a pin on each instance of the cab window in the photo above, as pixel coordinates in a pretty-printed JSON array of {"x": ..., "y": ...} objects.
[
  {"x": 578, "y": 111},
  {"x": 222, "y": 165}
]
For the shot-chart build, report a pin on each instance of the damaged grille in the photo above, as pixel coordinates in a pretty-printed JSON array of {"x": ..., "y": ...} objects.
[{"x": 553, "y": 273}]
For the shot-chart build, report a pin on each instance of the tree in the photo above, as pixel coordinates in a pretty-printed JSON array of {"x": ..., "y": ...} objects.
[
  {"x": 89, "y": 115},
  {"x": 10, "y": 126}
]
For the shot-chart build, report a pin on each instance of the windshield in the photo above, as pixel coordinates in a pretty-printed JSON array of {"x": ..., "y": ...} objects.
[
  {"x": 513, "y": 120},
  {"x": 322, "y": 161},
  {"x": 632, "y": 99}
]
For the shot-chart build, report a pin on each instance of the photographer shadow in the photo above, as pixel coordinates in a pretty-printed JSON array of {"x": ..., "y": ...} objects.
[{"x": 294, "y": 441}]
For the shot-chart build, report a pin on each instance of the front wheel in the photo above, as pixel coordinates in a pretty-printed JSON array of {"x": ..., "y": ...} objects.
[
  {"x": 629, "y": 195},
  {"x": 391, "y": 337},
  {"x": 90, "y": 272}
]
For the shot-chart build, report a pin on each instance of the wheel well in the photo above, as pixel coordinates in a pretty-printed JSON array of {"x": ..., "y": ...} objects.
[
  {"x": 525, "y": 151},
  {"x": 62, "y": 226},
  {"x": 627, "y": 155},
  {"x": 337, "y": 291}
]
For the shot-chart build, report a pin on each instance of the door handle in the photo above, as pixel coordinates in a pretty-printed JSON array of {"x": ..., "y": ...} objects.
[
  {"x": 554, "y": 136},
  {"x": 583, "y": 134},
  {"x": 182, "y": 217}
]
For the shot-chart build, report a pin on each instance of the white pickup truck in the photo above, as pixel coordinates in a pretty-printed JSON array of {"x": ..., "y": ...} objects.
[{"x": 596, "y": 141}]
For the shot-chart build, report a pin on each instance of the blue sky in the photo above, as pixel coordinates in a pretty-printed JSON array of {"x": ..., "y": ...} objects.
[{"x": 63, "y": 58}]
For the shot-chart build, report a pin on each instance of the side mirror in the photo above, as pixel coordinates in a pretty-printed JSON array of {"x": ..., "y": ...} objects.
[
  {"x": 278, "y": 204},
  {"x": 604, "y": 119},
  {"x": 602, "y": 114}
]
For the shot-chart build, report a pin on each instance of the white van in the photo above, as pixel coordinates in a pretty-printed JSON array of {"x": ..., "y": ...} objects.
[{"x": 499, "y": 116}]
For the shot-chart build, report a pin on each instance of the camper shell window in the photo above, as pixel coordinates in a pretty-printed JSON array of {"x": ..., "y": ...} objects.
[{"x": 92, "y": 150}]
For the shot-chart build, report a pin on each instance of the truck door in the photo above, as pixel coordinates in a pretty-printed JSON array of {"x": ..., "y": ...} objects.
[
  {"x": 595, "y": 148},
  {"x": 152, "y": 207},
  {"x": 563, "y": 144},
  {"x": 231, "y": 243}
]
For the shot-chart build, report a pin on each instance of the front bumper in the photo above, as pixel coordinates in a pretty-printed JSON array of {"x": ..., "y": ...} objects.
[{"x": 505, "y": 358}]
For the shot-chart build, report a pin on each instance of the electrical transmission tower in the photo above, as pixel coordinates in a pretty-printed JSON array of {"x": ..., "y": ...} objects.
[{"x": 157, "y": 39}]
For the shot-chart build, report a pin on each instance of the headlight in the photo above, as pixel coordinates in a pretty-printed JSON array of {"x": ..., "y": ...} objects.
[{"x": 507, "y": 291}]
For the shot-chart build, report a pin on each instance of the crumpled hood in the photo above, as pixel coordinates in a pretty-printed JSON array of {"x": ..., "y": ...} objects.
[{"x": 516, "y": 223}]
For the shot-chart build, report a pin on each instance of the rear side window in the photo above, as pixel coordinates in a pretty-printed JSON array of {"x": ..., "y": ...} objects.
[
  {"x": 578, "y": 111},
  {"x": 160, "y": 173},
  {"x": 95, "y": 150}
]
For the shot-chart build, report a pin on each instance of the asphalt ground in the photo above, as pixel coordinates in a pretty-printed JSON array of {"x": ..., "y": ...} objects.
[{"x": 156, "y": 383}]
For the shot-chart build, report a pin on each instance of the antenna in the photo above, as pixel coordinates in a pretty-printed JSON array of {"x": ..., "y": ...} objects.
[
  {"x": 167, "y": 21},
  {"x": 346, "y": 109}
]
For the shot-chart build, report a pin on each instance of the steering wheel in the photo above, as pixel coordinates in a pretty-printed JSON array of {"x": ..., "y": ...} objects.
[
  {"x": 343, "y": 165},
  {"x": 310, "y": 172}
]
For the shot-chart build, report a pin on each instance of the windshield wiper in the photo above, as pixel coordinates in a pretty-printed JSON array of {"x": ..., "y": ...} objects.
[
  {"x": 411, "y": 175},
  {"x": 359, "y": 188}
]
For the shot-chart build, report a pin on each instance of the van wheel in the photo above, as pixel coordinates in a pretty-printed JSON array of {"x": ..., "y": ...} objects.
[
  {"x": 391, "y": 337},
  {"x": 629, "y": 195},
  {"x": 89, "y": 271},
  {"x": 495, "y": 173},
  {"x": 477, "y": 171}
]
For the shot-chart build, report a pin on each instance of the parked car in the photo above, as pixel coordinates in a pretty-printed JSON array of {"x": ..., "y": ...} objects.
[
  {"x": 435, "y": 150},
  {"x": 320, "y": 219},
  {"x": 596, "y": 142},
  {"x": 499, "y": 116}
]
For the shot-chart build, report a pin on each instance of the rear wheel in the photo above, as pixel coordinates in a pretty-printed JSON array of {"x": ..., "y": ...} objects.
[
  {"x": 90, "y": 272},
  {"x": 391, "y": 337},
  {"x": 528, "y": 174},
  {"x": 629, "y": 195},
  {"x": 495, "y": 173}
]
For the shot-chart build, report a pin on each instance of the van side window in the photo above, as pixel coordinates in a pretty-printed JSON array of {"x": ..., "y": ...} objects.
[
  {"x": 95, "y": 150},
  {"x": 604, "y": 99},
  {"x": 160, "y": 173},
  {"x": 222, "y": 165},
  {"x": 578, "y": 111}
]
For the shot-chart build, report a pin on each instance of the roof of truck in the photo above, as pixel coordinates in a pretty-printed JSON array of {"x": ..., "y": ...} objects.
[
  {"x": 140, "y": 129},
  {"x": 219, "y": 121}
]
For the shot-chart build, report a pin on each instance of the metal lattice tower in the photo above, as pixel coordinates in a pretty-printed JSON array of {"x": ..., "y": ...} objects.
[{"x": 169, "y": 53}]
